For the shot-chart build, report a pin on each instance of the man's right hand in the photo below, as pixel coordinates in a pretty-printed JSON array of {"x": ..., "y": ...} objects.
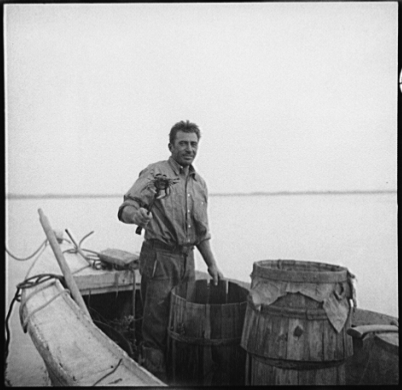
[{"x": 141, "y": 217}]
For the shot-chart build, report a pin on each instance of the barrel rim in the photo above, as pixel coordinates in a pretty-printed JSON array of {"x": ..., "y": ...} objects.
[
  {"x": 174, "y": 295},
  {"x": 333, "y": 273}
]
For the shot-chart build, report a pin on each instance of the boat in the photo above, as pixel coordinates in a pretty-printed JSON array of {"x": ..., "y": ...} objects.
[{"x": 99, "y": 345}]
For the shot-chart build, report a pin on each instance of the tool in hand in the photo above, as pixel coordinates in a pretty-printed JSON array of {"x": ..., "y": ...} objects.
[{"x": 160, "y": 183}]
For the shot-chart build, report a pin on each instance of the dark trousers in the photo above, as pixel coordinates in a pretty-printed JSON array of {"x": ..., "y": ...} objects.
[{"x": 161, "y": 270}]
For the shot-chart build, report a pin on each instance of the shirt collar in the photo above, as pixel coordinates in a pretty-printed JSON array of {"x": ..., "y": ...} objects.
[{"x": 177, "y": 168}]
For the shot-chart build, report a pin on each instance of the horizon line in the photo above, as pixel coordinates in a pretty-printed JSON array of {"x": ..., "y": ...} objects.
[{"x": 255, "y": 193}]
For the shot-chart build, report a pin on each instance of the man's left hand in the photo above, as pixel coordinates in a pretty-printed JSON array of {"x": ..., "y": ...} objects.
[{"x": 215, "y": 273}]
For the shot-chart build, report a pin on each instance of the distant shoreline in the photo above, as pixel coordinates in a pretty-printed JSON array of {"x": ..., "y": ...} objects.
[{"x": 277, "y": 193}]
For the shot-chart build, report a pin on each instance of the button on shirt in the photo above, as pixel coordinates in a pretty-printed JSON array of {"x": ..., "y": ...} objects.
[{"x": 181, "y": 217}]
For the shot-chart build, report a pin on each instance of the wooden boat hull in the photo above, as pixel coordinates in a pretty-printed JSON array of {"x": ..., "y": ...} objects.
[{"x": 75, "y": 351}]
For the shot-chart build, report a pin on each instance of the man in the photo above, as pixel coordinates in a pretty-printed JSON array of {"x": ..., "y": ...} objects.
[{"x": 178, "y": 222}]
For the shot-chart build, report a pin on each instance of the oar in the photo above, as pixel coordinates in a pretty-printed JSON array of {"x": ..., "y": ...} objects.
[{"x": 75, "y": 292}]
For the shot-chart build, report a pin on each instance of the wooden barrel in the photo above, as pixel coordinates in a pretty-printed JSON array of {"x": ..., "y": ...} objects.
[
  {"x": 205, "y": 328},
  {"x": 291, "y": 340}
]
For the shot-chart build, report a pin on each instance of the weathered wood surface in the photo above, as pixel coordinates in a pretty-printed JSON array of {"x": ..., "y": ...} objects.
[
  {"x": 276, "y": 332},
  {"x": 260, "y": 372},
  {"x": 292, "y": 341},
  {"x": 362, "y": 330},
  {"x": 88, "y": 279},
  {"x": 373, "y": 362},
  {"x": 55, "y": 328},
  {"x": 118, "y": 257},
  {"x": 204, "y": 334},
  {"x": 74, "y": 350},
  {"x": 69, "y": 279}
]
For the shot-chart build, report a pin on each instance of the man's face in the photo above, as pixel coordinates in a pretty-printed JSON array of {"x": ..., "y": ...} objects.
[{"x": 184, "y": 148}]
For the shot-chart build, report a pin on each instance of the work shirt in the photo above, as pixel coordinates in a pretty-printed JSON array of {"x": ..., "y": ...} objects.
[{"x": 181, "y": 217}]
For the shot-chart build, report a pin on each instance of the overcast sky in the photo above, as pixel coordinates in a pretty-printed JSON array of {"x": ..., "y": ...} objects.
[{"x": 288, "y": 96}]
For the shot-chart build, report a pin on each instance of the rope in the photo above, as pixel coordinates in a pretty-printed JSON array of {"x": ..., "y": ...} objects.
[
  {"x": 92, "y": 257},
  {"x": 109, "y": 373},
  {"x": 27, "y": 283},
  {"x": 25, "y": 323},
  {"x": 44, "y": 243}
]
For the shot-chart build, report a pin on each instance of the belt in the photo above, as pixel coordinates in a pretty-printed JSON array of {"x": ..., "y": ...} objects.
[{"x": 180, "y": 249}]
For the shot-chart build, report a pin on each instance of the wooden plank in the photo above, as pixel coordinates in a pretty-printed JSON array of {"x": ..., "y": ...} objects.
[
  {"x": 296, "y": 339},
  {"x": 119, "y": 257},
  {"x": 259, "y": 336},
  {"x": 216, "y": 321},
  {"x": 252, "y": 341},
  {"x": 191, "y": 292},
  {"x": 341, "y": 374},
  {"x": 106, "y": 281},
  {"x": 248, "y": 371},
  {"x": 362, "y": 330},
  {"x": 347, "y": 339},
  {"x": 315, "y": 340},
  {"x": 286, "y": 376},
  {"x": 368, "y": 317},
  {"x": 202, "y": 291},
  {"x": 280, "y": 337},
  {"x": 84, "y": 354},
  {"x": 75, "y": 292},
  {"x": 249, "y": 319},
  {"x": 324, "y": 377},
  {"x": 340, "y": 345},
  {"x": 271, "y": 337},
  {"x": 307, "y": 377},
  {"x": 329, "y": 342}
]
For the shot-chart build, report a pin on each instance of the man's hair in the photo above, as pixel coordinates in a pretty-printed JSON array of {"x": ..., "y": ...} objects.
[{"x": 187, "y": 127}]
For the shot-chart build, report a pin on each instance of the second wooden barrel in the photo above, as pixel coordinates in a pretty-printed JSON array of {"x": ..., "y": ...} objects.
[
  {"x": 291, "y": 340},
  {"x": 205, "y": 328}
]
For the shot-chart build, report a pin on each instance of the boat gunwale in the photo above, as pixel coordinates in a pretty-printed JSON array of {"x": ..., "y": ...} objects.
[{"x": 53, "y": 364}]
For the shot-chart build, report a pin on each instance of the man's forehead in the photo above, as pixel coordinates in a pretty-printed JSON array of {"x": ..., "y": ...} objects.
[{"x": 183, "y": 136}]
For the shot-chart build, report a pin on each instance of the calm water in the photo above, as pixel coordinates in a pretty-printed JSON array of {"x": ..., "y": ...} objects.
[{"x": 356, "y": 231}]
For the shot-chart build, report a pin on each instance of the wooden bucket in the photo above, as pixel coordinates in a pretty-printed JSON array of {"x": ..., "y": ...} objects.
[
  {"x": 291, "y": 341},
  {"x": 205, "y": 328}
]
